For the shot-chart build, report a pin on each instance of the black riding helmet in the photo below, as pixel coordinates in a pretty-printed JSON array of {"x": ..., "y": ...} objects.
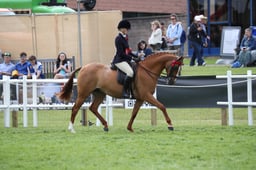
[{"x": 124, "y": 24}]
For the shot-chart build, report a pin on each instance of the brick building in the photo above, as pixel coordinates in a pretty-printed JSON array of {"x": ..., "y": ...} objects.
[
  {"x": 141, "y": 13},
  {"x": 149, "y": 6}
]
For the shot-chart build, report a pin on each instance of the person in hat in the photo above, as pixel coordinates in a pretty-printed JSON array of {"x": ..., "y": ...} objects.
[
  {"x": 205, "y": 37},
  {"x": 195, "y": 38},
  {"x": 7, "y": 66},
  {"x": 124, "y": 55},
  {"x": 24, "y": 67}
]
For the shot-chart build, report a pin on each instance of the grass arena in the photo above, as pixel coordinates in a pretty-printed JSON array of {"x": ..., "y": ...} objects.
[{"x": 197, "y": 142}]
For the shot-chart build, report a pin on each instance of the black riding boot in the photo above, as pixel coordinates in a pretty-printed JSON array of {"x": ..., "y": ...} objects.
[{"x": 126, "y": 90}]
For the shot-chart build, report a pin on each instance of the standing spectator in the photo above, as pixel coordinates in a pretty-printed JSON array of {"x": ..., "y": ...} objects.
[
  {"x": 173, "y": 34},
  {"x": 37, "y": 66},
  {"x": 195, "y": 37},
  {"x": 143, "y": 51},
  {"x": 23, "y": 67},
  {"x": 183, "y": 39},
  {"x": 62, "y": 67},
  {"x": 7, "y": 66},
  {"x": 205, "y": 37},
  {"x": 164, "y": 43},
  {"x": 155, "y": 40},
  {"x": 247, "y": 45}
]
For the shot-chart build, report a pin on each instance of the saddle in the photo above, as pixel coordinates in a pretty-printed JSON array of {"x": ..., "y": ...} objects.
[{"x": 121, "y": 75}]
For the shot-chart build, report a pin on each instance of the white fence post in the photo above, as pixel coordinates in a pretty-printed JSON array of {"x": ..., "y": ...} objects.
[
  {"x": 230, "y": 102},
  {"x": 25, "y": 101},
  {"x": 249, "y": 97},
  {"x": 230, "y": 98},
  {"x": 34, "y": 97},
  {"x": 6, "y": 92}
]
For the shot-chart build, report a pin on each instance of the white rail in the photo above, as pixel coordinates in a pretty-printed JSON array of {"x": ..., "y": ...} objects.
[
  {"x": 230, "y": 102},
  {"x": 9, "y": 105}
]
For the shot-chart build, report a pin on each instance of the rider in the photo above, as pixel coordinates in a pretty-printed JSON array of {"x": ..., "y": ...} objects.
[{"x": 124, "y": 55}]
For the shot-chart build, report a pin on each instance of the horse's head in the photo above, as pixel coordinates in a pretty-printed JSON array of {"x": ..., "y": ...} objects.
[{"x": 173, "y": 70}]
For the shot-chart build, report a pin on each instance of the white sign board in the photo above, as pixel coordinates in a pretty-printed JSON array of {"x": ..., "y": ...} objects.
[
  {"x": 229, "y": 40},
  {"x": 129, "y": 104}
]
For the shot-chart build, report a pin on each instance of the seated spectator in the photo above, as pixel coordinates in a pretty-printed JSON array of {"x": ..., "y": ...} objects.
[
  {"x": 62, "y": 67},
  {"x": 143, "y": 51},
  {"x": 246, "y": 46},
  {"x": 37, "y": 66},
  {"x": 23, "y": 67},
  {"x": 7, "y": 66}
]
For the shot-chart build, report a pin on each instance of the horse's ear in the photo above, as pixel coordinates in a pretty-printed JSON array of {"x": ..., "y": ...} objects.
[{"x": 180, "y": 58}]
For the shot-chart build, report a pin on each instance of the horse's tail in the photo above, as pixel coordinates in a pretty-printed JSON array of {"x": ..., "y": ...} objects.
[{"x": 65, "y": 93}]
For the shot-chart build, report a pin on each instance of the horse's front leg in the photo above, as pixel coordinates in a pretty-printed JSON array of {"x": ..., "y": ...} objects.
[
  {"x": 152, "y": 100},
  {"x": 135, "y": 110}
]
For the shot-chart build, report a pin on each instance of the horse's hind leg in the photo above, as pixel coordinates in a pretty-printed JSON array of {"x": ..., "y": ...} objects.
[
  {"x": 98, "y": 98},
  {"x": 75, "y": 109},
  {"x": 135, "y": 110}
]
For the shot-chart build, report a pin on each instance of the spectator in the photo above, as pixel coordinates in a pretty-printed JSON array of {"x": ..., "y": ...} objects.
[
  {"x": 143, "y": 51},
  {"x": 247, "y": 45},
  {"x": 164, "y": 43},
  {"x": 183, "y": 39},
  {"x": 7, "y": 66},
  {"x": 205, "y": 37},
  {"x": 23, "y": 67},
  {"x": 155, "y": 39},
  {"x": 195, "y": 37},
  {"x": 37, "y": 66},
  {"x": 62, "y": 67},
  {"x": 173, "y": 34}
]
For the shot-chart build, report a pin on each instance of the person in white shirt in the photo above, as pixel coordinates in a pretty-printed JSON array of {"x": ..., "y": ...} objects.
[{"x": 155, "y": 40}]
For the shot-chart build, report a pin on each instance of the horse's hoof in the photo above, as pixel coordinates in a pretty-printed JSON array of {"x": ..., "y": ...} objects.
[
  {"x": 170, "y": 128},
  {"x": 130, "y": 129},
  {"x": 105, "y": 129},
  {"x": 72, "y": 131}
]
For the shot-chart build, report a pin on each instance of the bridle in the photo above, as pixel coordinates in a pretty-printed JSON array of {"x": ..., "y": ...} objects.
[{"x": 174, "y": 66}]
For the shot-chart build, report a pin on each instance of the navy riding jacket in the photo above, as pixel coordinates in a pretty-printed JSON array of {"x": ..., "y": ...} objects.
[{"x": 122, "y": 49}]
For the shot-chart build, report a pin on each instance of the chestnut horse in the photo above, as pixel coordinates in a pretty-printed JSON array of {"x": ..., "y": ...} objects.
[{"x": 100, "y": 80}]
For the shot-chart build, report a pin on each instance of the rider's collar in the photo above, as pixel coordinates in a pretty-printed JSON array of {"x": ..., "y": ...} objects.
[{"x": 124, "y": 35}]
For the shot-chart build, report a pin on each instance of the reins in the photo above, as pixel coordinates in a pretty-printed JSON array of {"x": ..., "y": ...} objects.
[{"x": 150, "y": 73}]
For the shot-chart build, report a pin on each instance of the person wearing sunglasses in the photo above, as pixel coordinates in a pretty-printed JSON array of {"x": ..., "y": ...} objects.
[{"x": 173, "y": 34}]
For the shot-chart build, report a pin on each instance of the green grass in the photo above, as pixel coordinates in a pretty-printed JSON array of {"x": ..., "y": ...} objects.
[
  {"x": 212, "y": 69},
  {"x": 198, "y": 141}
]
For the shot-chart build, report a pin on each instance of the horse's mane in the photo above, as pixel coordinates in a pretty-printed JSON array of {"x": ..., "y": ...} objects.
[{"x": 157, "y": 54}]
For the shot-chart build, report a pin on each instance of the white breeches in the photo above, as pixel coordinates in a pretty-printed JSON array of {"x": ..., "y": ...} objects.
[{"x": 125, "y": 67}]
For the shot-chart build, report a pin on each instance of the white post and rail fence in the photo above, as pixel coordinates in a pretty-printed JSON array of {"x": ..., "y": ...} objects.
[
  {"x": 230, "y": 103},
  {"x": 33, "y": 86},
  {"x": 22, "y": 85}
]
